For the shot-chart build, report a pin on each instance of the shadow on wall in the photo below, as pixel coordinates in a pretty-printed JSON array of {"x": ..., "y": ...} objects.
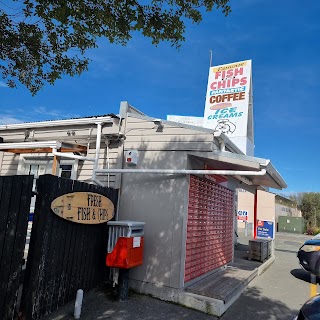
[
  {"x": 159, "y": 201},
  {"x": 253, "y": 305},
  {"x": 162, "y": 202}
]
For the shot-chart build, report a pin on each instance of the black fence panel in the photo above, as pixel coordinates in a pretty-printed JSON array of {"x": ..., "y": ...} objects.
[
  {"x": 15, "y": 198},
  {"x": 63, "y": 256}
]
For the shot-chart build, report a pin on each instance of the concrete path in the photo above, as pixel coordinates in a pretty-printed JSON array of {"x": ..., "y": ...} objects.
[{"x": 280, "y": 291}]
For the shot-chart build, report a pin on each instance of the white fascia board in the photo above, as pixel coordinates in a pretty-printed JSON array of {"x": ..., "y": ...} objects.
[
  {"x": 229, "y": 158},
  {"x": 271, "y": 170},
  {"x": 256, "y": 163},
  {"x": 260, "y": 161},
  {"x": 56, "y": 123},
  {"x": 30, "y": 145}
]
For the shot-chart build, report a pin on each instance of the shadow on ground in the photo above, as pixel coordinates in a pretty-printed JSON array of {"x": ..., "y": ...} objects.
[
  {"x": 242, "y": 247},
  {"x": 302, "y": 275},
  {"x": 241, "y": 258},
  {"x": 252, "y": 305},
  {"x": 102, "y": 304}
]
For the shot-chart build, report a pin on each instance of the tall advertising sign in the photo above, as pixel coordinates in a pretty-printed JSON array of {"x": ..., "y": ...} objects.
[{"x": 228, "y": 105}]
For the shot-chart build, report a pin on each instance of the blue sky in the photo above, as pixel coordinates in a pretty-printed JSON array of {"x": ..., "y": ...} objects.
[{"x": 281, "y": 37}]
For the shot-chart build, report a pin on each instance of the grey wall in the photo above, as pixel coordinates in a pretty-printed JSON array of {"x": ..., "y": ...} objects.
[{"x": 161, "y": 201}]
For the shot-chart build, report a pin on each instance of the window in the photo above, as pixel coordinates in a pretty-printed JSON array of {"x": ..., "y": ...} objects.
[
  {"x": 65, "y": 171},
  {"x": 38, "y": 166},
  {"x": 36, "y": 170}
]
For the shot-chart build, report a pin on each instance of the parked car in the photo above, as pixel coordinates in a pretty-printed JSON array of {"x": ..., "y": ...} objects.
[
  {"x": 317, "y": 236},
  {"x": 310, "y": 310},
  {"x": 309, "y": 256}
]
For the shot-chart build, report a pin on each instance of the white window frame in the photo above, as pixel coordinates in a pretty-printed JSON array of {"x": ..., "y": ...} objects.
[{"x": 27, "y": 159}]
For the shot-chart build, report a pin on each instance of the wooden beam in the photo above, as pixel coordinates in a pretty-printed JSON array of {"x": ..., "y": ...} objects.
[
  {"x": 75, "y": 147},
  {"x": 55, "y": 165}
]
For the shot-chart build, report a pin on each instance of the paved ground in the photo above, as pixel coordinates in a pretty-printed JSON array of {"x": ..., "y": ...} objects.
[
  {"x": 101, "y": 305},
  {"x": 276, "y": 294},
  {"x": 280, "y": 291}
]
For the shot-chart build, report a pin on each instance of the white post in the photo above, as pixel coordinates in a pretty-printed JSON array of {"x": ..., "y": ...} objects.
[
  {"x": 78, "y": 304},
  {"x": 246, "y": 228}
]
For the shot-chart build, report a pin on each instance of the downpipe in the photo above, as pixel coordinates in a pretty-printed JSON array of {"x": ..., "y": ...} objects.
[{"x": 55, "y": 152}]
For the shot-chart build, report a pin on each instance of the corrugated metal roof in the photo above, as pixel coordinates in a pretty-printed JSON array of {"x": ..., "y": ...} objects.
[{"x": 75, "y": 118}]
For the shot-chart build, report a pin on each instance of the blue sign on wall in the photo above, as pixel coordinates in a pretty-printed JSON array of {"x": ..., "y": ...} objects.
[
  {"x": 265, "y": 229},
  {"x": 242, "y": 215}
]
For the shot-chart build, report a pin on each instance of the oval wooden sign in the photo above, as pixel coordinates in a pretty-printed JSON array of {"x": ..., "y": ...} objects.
[{"x": 83, "y": 207}]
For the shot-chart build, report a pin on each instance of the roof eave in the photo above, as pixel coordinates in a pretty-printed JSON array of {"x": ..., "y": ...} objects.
[
  {"x": 56, "y": 123},
  {"x": 272, "y": 178}
]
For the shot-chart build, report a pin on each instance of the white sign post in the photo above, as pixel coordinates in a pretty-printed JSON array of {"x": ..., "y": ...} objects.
[{"x": 242, "y": 215}]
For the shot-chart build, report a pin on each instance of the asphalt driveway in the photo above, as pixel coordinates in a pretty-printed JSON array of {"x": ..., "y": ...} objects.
[{"x": 281, "y": 290}]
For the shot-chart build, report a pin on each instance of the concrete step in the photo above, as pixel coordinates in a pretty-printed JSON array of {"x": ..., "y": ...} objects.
[{"x": 223, "y": 284}]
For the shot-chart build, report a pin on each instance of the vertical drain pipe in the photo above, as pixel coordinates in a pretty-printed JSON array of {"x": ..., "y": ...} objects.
[
  {"x": 96, "y": 162},
  {"x": 255, "y": 214},
  {"x": 98, "y": 143},
  {"x": 108, "y": 161}
]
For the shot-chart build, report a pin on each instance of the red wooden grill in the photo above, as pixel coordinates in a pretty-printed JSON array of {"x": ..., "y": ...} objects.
[{"x": 209, "y": 229}]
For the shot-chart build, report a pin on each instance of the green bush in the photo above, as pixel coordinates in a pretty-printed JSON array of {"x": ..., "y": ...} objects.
[{"x": 313, "y": 231}]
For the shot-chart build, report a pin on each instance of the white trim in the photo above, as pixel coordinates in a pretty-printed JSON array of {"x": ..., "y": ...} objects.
[
  {"x": 21, "y": 165},
  {"x": 74, "y": 172},
  {"x": 227, "y": 143},
  {"x": 27, "y": 159},
  {"x": 244, "y": 160},
  {"x": 30, "y": 145},
  {"x": 56, "y": 123}
]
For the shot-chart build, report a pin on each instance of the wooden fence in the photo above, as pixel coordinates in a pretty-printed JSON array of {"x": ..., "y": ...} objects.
[
  {"x": 15, "y": 197},
  {"x": 63, "y": 256}
]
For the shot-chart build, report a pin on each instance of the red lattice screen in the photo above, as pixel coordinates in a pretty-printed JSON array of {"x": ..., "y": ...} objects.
[{"x": 209, "y": 229}]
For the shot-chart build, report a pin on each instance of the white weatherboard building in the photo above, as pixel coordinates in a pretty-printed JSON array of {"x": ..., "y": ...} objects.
[{"x": 182, "y": 185}]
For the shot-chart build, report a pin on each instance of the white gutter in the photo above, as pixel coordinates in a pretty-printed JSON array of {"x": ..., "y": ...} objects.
[
  {"x": 56, "y": 123},
  {"x": 30, "y": 145},
  {"x": 108, "y": 162},
  {"x": 98, "y": 142},
  {"x": 96, "y": 162},
  {"x": 184, "y": 171},
  {"x": 55, "y": 152}
]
